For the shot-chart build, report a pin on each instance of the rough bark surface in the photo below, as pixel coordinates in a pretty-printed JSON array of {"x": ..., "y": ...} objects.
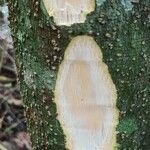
[{"x": 121, "y": 30}]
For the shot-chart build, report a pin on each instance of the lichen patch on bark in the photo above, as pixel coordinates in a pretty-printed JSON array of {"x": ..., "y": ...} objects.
[
  {"x": 68, "y": 12},
  {"x": 86, "y": 97}
]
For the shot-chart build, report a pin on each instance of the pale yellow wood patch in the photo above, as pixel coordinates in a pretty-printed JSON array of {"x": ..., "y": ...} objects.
[
  {"x": 68, "y": 12},
  {"x": 86, "y": 97}
]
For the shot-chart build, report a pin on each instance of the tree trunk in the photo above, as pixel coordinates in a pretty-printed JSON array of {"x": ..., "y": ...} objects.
[{"x": 120, "y": 29}]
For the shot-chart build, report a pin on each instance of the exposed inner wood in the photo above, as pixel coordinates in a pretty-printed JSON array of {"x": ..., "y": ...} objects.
[
  {"x": 86, "y": 97},
  {"x": 68, "y": 12}
]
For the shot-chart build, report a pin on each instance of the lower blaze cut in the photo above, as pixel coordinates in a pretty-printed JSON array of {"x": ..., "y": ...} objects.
[{"x": 86, "y": 97}]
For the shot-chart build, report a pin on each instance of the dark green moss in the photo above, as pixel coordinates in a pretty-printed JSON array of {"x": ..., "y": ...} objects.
[
  {"x": 40, "y": 44},
  {"x": 127, "y": 125}
]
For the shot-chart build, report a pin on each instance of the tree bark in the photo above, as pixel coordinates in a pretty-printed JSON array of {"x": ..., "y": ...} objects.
[{"x": 120, "y": 29}]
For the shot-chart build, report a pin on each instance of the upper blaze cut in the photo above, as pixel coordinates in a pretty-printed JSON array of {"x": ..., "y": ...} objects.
[
  {"x": 68, "y": 12},
  {"x": 86, "y": 97}
]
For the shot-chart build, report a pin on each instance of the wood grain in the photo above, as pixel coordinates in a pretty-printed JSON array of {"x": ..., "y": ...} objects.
[
  {"x": 86, "y": 97},
  {"x": 68, "y": 12}
]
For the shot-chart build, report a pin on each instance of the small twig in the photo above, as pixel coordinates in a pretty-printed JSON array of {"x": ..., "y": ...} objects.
[
  {"x": 5, "y": 79},
  {"x": 2, "y": 147},
  {"x": 14, "y": 125}
]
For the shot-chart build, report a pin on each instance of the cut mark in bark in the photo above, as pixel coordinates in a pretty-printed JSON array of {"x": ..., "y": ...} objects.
[
  {"x": 68, "y": 12},
  {"x": 86, "y": 97}
]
